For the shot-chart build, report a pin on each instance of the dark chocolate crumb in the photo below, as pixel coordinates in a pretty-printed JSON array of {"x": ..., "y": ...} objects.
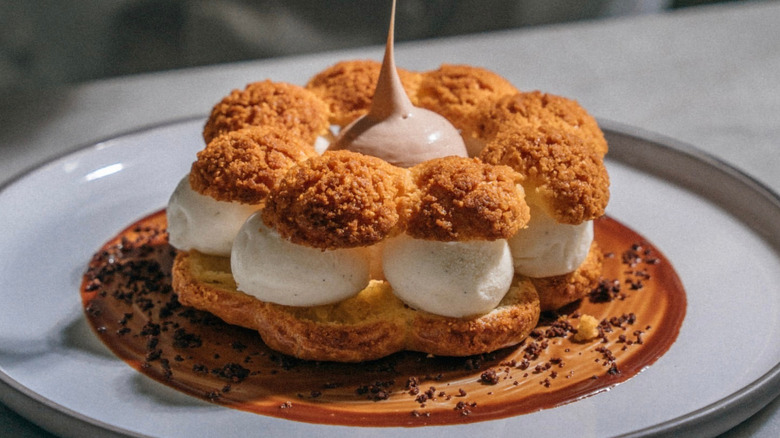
[
  {"x": 489, "y": 377},
  {"x": 233, "y": 372}
]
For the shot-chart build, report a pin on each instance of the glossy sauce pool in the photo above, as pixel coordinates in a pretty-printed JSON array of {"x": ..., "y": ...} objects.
[{"x": 129, "y": 302}]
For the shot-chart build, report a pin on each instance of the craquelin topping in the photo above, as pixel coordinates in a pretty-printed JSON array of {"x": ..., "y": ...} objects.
[
  {"x": 561, "y": 173},
  {"x": 465, "y": 199},
  {"x": 269, "y": 103},
  {"x": 537, "y": 109},
  {"x": 246, "y": 165},
  {"x": 340, "y": 199}
]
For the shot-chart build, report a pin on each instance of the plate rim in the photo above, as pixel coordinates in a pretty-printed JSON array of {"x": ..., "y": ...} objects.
[
  {"x": 747, "y": 401},
  {"x": 710, "y": 420}
]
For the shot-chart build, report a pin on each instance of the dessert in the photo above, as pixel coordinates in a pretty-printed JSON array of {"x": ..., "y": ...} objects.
[
  {"x": 393, "y": 232},
  {"x": 471, "y": 251}
]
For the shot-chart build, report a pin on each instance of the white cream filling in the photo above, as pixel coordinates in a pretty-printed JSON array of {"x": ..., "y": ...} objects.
[
  {"x": 454, "y": 279},
  {"x": 546, "y": 248},
  {"x": 276, "y": 270},
  {"x": 200, "y": 222}
]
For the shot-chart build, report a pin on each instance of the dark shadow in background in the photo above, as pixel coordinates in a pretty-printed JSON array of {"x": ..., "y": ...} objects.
[{"x": 55, "y": 42}]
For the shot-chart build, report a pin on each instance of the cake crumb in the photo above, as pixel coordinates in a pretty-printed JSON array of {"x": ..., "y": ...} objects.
[{"x": 587, "y": 329}]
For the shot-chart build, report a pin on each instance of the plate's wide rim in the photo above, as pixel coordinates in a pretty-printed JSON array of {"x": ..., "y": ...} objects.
[{"x": 709, "y": 420}]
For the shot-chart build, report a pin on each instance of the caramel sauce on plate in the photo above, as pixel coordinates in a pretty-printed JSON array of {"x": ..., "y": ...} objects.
[{"x": 129, "y": 302}]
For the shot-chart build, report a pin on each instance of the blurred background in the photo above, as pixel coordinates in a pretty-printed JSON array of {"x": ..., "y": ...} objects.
[{"x": 45, "y": 43}]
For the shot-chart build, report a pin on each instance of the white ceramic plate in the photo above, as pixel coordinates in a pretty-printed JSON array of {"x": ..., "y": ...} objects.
[{"x": 720, "y": 229}]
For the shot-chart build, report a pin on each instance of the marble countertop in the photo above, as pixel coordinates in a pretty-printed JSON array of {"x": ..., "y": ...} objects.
[{"x": 706, "y": 76}]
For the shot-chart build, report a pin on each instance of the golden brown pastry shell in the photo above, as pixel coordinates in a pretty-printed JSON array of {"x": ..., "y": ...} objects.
[{"x": 370, "y": 325}]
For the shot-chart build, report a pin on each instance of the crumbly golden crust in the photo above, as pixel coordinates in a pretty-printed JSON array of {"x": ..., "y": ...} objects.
[
  {"x": 371, "y": 325},
  {"x": 269, "y": 103},
  {"x": 560, "y": 290},
  {"x": 587, "y": 329},
  {"x": 246, "y": 165},
  {"x": 461, "y": 93},
  {"x": 340, "y": 199},
  {"x": 537, "y": 109},
  {"x": 464, "y": 199},
  {"x": 348, "y": 88},
  {"x": 563, "y": 175}
]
